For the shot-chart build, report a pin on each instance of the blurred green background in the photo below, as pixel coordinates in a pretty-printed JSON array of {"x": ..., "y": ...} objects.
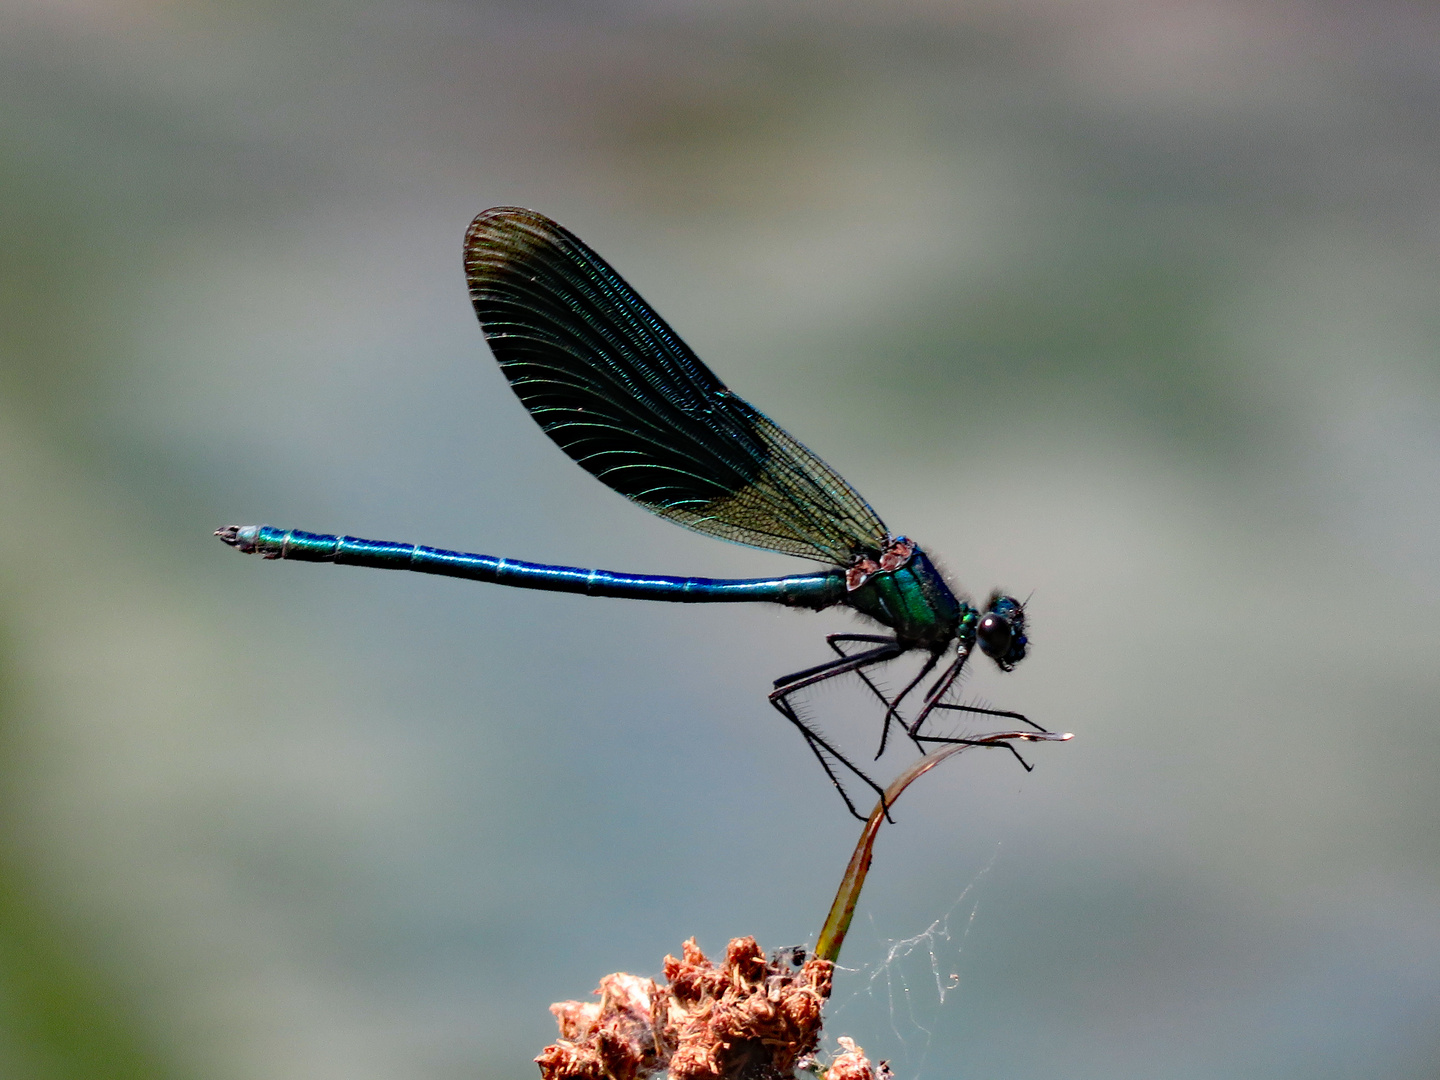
[{"x": 1132, "y": 305}]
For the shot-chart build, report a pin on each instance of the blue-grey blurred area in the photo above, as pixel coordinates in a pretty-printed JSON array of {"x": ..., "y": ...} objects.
[{"x": 1129, "y": 308}]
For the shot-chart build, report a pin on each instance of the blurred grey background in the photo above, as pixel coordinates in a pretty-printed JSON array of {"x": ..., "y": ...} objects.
[{"x": 1128, "y": 307}]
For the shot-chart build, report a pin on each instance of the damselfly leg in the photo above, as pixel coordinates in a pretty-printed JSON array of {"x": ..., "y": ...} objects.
[
  {"x": 834, "y": 640},
  {"x": 825, "y": 753},
  {"x": 892, "y": 713},
  {"x": 934, "y": 700}
]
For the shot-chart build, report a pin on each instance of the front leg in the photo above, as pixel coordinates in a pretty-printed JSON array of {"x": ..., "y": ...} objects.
[
  {"x": 1005, "y": 739},
  {"x": 983, "y": 741},
  {"x": 1004, "y": 714},
  {"x": 935, "y": 700}
]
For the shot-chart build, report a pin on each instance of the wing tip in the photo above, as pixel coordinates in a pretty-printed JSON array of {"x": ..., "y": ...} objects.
[
  {"x": 499, "y": 220},
  {"x": 505, "y": 232}
]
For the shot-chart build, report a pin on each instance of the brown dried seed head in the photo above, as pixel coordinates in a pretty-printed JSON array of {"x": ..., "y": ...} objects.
[
  {"x": 577, "y": 1019},
  {"x": 620, "y": 1057},
  {"x": 850, "y": 1064},
  {"x": 565, "y": 1061},
  {"x": 631, "y": 995},
  {"x": 760, "y": 1009},
  {"x": 745, "y": 959},
  {"x": 693, "y": 955},
  {"x": 693, "y": 977},
  {"x": 729, "y": 1023},
  {"x": 695, "y": 1063},
  {"x": 802, "y": 1012},
  {"x": 820, "y": 974},
  {"x": 745, "y": 1017}
]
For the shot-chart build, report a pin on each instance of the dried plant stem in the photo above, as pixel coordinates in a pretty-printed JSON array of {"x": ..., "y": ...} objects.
[{"x": 837, "y": 923}]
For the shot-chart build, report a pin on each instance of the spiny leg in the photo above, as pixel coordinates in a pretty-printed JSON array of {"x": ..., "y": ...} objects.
[
  {"x": 833, "y": 640},
  {"x": 823, "y": 752},
  {"x": 977, "y": 742},
  {"x": 887, "y": 648},
  {"x": 938, "y": 689},
  {"x": 933, "y": 701},
  {"x": 800, "y": 680},
  {"x": 1004, "y": 713},
  {"x": 878, "y": 639},
  {"x": 892, "y": 714},
  {"x": 934, "y": 696},
  {"x": 891, "y": 707}
]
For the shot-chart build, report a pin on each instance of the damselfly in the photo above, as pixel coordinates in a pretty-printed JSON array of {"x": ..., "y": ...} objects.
[{"x": 608, "y": 380}]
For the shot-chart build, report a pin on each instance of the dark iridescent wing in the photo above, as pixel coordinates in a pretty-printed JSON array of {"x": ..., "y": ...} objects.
[{"x": 613, "y": 385}]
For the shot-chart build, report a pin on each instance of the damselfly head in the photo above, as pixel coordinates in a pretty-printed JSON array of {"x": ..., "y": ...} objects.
[{"x": 1001, "y": 631}]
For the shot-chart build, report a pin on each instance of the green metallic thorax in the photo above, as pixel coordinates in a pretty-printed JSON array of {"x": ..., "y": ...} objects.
[{"x": 915, "y": 602}]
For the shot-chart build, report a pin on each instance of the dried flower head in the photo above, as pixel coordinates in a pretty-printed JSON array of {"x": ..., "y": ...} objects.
[
  {"x": 747, "y": 1019},
  {"x": 852, "y": 1064}
]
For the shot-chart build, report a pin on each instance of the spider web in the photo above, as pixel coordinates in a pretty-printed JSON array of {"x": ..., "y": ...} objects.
[{"x": 914, "y": 978}]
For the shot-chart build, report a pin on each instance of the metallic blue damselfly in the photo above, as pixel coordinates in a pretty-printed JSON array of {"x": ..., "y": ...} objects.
[{"x": 608, "y": 380}]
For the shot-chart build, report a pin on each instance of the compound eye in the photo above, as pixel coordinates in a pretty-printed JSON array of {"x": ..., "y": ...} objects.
[{"x": 993, "y": 634}]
